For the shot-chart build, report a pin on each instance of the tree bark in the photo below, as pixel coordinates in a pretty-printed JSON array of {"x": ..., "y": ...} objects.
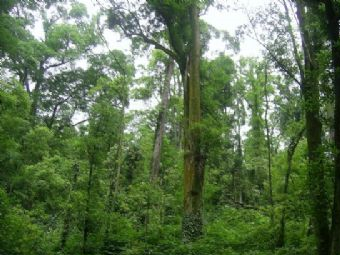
[
  {"x": 310, "y": 91},
  {"x": 192, "y": 223},
  {"x": 159, "y": 132}
]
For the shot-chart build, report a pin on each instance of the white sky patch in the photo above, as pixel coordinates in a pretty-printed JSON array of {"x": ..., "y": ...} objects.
[{"x": 230, "y": 20}]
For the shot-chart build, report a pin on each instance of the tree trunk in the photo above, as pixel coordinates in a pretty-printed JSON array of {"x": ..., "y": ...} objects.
[
  {"x": 310, "y": 91},
  {"x": 117, "y": 164},
  {"x": 23, "y": 77},
  {"x": 290, "y": 154},
  {"x": 333, "y": 33},
  {"x": 237, "y": 171},
  {"x": 119, "y": 156},
  {"x": 238, "y": 165},
  {"x": 179, "y": 128},
  {"x": 240, "y": 168},
  {"x": 193, "y": 161},
  {"x": 156, "y": 155},
  {"x": 36, "y": 92},
  {"x": 268, "y": 142},
  {"x": 86, "y": 229}
]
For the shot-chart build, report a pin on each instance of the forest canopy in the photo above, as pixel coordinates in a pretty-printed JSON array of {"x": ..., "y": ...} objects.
[{"x": 138, "y": 127}]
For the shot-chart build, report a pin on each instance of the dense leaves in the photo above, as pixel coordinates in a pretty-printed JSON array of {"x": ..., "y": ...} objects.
[{"x": 77, "y": 163}]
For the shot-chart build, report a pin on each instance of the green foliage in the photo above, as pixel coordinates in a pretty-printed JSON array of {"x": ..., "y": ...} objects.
[
  {"x": 45, "y": 183},
  {"x": 85, "y": 188},
  {"x": 36, "y": 144},
  {"x": 14, "y": 124},
  {"x": 78, "y": 11},
  {"x": 18, "y": 234}
]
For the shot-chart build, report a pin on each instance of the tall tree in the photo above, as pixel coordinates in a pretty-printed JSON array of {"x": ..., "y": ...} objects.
[
  {"x": 181, "y": 21},
  {"x": 333, "y": 18},
  {"x": 239, "y": 121},
  {"x": 193, "y": 159},
  {"x": 255, "y": 144},
  {"x": 316, "y": 169},
  {"x": 268, "y": 140}
]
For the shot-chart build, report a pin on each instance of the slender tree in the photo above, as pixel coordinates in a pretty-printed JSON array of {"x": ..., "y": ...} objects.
[
  {"x": 268, "y": 140},
  {"x": 294, "y": 141},
  {"x": 161, "y": 120}
]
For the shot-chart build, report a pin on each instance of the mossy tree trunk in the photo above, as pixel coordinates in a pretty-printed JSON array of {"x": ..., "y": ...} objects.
[{"x": 193, "y": 161}]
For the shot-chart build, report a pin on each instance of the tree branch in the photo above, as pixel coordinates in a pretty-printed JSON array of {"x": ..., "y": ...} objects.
[
  {"x": 80, "y": 122},
  {"x": 282, "y": 66}
]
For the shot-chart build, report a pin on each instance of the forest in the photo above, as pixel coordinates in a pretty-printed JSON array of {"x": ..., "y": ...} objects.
[{"x": 137, "y": 127}]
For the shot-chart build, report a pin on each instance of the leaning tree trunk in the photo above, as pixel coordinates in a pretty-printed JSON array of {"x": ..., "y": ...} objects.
[
  {"x": 310, "y": 91},
  {"x": 290, "y": 154},
  {"x": 156, "y": 155},
  {"x": 333, "y": 18},
  {"x": 193, "y": 161}
]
